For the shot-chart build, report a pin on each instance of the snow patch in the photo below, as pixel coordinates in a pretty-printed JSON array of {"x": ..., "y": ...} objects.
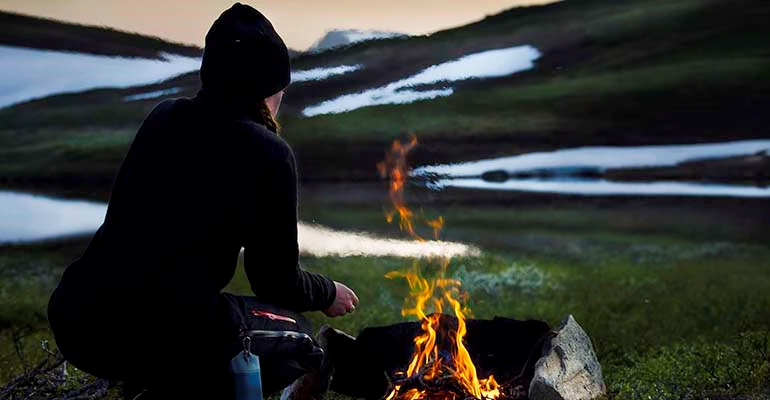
[
  {"x": 355, "y": 36},
  {"x": 29, "y": 74},
  {"x": 487, "y": 64},
  {"x": 338, "y": 38},
  {"x": 317, "y": 74}
]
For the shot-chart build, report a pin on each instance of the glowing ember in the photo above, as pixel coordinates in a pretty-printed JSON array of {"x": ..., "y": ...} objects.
[{"x": 440, "y": 358}]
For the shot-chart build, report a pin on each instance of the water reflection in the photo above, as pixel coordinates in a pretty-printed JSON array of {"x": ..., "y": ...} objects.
[
  {"x": 601, "y": 158},
  {"x": 602, "y": 187},
  {"x": 583, "y": 171},
  {"x": 29, "y": 218}
]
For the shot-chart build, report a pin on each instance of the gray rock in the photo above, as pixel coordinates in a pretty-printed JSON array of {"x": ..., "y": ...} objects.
[{"x": 568, "y": 369}]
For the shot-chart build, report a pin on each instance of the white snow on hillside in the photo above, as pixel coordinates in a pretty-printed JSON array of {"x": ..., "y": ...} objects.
[
  {"x": 337, "y": 38},
  {"x": 355, "y": 36},
  {"x": 28, "y": 74},
  {"x": 317, "y": 74},
  {"x": 487, "y": 64}
]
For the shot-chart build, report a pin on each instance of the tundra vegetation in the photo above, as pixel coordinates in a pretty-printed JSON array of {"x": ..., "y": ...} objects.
[{"x": 674, "y": 291}]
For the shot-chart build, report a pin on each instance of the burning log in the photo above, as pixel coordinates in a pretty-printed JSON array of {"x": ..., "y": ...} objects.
[
  {"x": 442, "y": 356},
  {"x": 367, "y": 366}
]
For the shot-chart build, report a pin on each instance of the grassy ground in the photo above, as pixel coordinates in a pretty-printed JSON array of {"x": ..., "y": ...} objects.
[
  {"x": 27, "y": 276},
  {"x": 674, "y": 295},
  {"x": 674, "y": 292}
]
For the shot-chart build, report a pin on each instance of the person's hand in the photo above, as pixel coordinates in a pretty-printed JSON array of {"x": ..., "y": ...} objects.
[{"x": 344, "y": 302}]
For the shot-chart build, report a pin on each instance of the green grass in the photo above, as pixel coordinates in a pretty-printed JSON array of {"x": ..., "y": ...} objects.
[
  {"x": 658, "y": 330},
  {"x": 673, "y": 292},
  {"x": 568, "y": 110},
  {"x": 28, "y": 274},
  {"x": 723, "y": 370},
  {"x": 632, "y": 72},
  {"x": 671, "y": 314},
  {"x": 543, "y": 108},
  {"x": 64, "y": 156},
  {"x": 505, "y": 221}
]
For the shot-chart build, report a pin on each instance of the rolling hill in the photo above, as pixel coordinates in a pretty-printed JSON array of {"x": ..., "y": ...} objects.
[
  {"x": 46, "y": 34},
  {"x": 41, "y": 57},
  {"x": 609, "y": 72}
]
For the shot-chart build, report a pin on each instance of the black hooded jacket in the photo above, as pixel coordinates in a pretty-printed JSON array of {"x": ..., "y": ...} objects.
[
  {"x": 203, "y": 178},
  {"x": 201, "y": 181}
]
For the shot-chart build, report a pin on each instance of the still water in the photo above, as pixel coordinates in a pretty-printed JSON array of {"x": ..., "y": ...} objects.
[
  {"x": 28, "y": 218},
  {"x": 602, "y": 187},
  {"x": 559, "y": 171}
]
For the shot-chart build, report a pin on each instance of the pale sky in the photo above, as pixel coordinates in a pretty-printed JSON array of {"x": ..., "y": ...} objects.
[{"x": 299, "y": 22}]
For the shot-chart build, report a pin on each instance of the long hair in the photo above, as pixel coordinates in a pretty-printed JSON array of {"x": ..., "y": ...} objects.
[{"x": 265, "y": 117}]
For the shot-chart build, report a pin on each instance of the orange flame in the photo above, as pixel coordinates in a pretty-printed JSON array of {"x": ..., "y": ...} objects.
[
  {"x": 437, "y": 294},
  {"x": 396, "y": 168}
]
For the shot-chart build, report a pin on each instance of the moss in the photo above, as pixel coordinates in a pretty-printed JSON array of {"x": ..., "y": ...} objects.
[{"x": 700, "y": 369}]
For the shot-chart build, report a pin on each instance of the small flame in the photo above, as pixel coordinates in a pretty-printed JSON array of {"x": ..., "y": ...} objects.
[
  {"x": 438, "y": 294},
  {"x": 396, "y": 168}
]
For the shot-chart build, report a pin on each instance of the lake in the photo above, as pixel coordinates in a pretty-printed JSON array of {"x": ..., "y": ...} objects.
[
  {"x": 28, "y": 218},
  {"x": 579, "y": 171}
]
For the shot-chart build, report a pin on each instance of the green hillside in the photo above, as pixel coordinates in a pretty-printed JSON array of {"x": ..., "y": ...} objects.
[
  {"x": 612, "y": 72},
  {"x": 672, "y": 290},
  {"x": 46, "y": 34}
]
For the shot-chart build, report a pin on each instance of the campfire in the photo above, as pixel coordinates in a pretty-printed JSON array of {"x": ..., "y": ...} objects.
[
  {"x": 447, "y": 354},
  {"x": 441, "y": 366}
]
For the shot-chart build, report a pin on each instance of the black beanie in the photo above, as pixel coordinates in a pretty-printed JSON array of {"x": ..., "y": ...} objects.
[{"x": 244, "y": 57}]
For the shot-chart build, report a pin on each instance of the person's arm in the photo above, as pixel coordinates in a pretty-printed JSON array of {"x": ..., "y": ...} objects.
[{"x": 271, "y": 251}]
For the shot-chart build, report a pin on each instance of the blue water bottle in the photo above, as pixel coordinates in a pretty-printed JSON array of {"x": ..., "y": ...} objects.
[{"x": 246, "y": 371}]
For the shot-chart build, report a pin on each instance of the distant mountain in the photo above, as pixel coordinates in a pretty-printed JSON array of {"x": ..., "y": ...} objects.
[{"x": 339, "y": 38}]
